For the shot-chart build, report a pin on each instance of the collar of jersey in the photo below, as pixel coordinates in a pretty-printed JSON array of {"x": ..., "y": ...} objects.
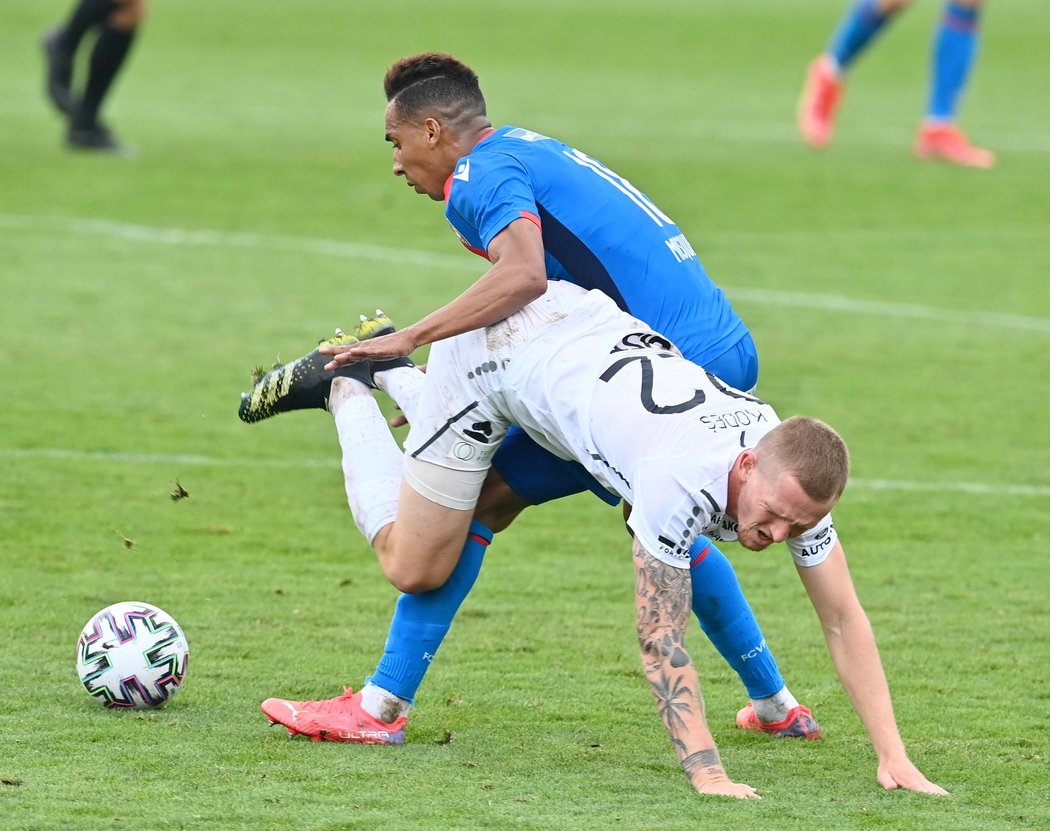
[{"x": 448, "y": 181}]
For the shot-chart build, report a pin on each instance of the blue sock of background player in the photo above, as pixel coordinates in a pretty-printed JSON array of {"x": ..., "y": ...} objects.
[
  {"x": 954, "y": 51},
  {"x": 858, "y": 27},
  {"x": 953, "y": 54},
  {"x": 421, "y": 621}
]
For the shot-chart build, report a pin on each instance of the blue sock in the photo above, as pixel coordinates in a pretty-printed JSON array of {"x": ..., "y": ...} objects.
[
  {"x": 727, "y": 620},
  {"x": 954, "y": 51},
  {"x": 422, "y": 620},
  {"x": 862, "y": 21}
]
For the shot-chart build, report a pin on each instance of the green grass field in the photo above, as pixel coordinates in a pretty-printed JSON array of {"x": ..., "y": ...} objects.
[{"x": 907, "y": 304}]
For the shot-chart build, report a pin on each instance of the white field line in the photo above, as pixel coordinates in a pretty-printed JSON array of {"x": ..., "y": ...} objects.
[
  {"x": 878, "y": 308},
  {"x": 228, "y": 239},
  {"x": 181, "y": 460},
  {"x": 358, "y": 251}
]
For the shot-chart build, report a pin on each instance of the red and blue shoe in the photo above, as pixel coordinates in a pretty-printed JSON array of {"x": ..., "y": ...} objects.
[
  {"x": 339, "y": 719},
  {"x": 798, "y": 724}
]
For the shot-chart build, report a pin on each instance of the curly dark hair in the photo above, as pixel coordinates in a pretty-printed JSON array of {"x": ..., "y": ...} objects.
[{"x": 434, "y": 81}]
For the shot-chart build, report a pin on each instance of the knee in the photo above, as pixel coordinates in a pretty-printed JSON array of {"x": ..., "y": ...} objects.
[
  {"x": 498, "y": 506},
  {"x": 893, "y": 6},
  {"x": 413, "y": 580},
  {"x": 411, "y": 573}
]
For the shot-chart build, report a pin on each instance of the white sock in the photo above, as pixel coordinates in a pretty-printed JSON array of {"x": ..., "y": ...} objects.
[
  {"x": 371, "y": 458},
  {"x": 383, "y": 704},
  {"x": 776, "y": 707},
  {"x": 403, "y": 384}
]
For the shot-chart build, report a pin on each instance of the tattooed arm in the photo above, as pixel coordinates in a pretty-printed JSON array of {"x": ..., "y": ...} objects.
[{"x": 662, "y": 601}]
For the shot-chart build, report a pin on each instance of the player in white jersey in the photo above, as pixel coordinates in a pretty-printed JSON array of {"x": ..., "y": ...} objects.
[
  {"x": 665, "y": 450},
  {"x": 690, "y": 456}
]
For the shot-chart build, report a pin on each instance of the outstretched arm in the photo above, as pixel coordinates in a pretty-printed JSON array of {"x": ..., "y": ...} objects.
[
  {"x": 851, "y": 643},
  {"x": 662, "y": 598},
  {"x": 517, "y": 276}
]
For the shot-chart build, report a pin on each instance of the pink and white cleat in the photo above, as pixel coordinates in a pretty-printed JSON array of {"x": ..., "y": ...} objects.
[
  {"x": 339, "y": 719},
  {"x": 946, "y": 142},
  {"x": 820, "y": 98},
  {"x": 799, "y": 723}
]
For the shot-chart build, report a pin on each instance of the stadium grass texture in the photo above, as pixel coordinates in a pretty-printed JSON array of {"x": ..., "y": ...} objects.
[{"x": 904, "y": 303}]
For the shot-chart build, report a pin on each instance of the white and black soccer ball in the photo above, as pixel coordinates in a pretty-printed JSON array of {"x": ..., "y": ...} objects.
[{"x": 132, "y": 655}]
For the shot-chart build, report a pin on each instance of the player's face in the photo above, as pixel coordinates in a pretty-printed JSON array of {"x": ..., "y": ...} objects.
[
  {"x": 416, "y": 156},
  {"x": 774, "y": 509}
]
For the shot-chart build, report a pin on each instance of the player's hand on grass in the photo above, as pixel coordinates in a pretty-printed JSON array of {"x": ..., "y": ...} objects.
[
  {"x": 394, "y": 345},
  {"x": 722, "y": 785},
  {"x": 903, "y": 774}
]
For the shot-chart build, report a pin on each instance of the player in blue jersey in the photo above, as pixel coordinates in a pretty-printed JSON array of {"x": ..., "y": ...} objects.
[
  {"x": 539, "y": 210},
  {"x": 954, "y": 51}
]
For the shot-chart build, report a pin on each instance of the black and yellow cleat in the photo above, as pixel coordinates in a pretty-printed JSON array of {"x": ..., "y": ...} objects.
[
  {"x": 373, "y": 327},
  {"x": 376, "y": 327},
  {"x": 304, "y": 384}
]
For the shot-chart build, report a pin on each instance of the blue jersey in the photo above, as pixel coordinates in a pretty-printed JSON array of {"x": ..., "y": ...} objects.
[{"x": 599, "y": 232}]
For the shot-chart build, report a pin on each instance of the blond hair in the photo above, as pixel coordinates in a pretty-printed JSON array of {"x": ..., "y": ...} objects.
[{"x": 812, "y": 452}]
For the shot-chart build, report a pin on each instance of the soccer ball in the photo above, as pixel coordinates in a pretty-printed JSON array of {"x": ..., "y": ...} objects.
[{"x": 132, "y": 655}]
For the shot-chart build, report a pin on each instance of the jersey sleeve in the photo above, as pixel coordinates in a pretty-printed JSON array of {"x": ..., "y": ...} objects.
[
  {"x": 813, "y": 547},
  {"x": 665, "y": 517},
  {"x": 489, "y": 194}
]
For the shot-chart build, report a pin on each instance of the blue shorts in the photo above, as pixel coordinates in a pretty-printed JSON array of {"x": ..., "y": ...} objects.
[{"x": 538, "y": 476}]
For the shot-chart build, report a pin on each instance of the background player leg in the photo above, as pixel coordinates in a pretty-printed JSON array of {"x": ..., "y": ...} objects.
[
  {"x": 824, "y": 87},
  {"x": 730, "y": 624},
  {"x": 108, "y": 56},
  {"x": 955, "y": 47},
  {"x": 60, "y": 46}
]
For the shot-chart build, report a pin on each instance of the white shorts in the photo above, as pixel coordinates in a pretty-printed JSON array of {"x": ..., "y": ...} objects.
[{"x": 463, "y": 412}]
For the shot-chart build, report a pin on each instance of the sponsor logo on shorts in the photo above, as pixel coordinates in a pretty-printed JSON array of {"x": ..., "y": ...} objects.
[
  {"x": 480, "y": 431},
  {"x": 466, "y": 452}
]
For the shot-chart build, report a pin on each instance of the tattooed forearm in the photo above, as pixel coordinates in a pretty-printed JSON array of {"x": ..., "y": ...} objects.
[
  {"x": 662, "y": 598},
  {"x": 664, "y": 589}
]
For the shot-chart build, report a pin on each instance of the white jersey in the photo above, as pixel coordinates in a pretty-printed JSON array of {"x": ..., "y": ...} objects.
[{"x": 591, "y": 383}]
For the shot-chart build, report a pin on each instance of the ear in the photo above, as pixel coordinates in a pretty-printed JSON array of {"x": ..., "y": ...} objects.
[
  {"x": 747, "y": 462},
  {"x": 433, "y": 129}
]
